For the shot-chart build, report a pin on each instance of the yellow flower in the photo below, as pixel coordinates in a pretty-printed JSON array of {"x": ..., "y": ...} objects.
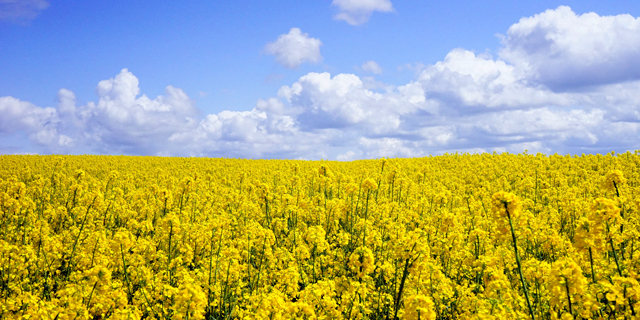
[
  {"x": 506, "y": 204},
  {"x": 419, "y": 307},
  {"x": 361, "y": 261},
  {"x": 605, "y": 210},
  {"x": 613, "y": 180},
  {"x": 569, "y": 287},
  {"x": 369, "y": 184},
  {"x": 351, "y": 188},
  {"x": 190, "y": 301}
]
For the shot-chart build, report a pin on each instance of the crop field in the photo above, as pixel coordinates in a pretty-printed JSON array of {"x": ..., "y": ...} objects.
[{"x": 459, "y": 236}]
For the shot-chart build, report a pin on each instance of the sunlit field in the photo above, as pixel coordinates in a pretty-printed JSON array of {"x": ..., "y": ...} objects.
[{"x": 447, "y": 237}]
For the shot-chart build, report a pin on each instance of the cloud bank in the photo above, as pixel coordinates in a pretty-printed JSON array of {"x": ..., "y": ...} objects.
[{"x": 467, "y": 102}]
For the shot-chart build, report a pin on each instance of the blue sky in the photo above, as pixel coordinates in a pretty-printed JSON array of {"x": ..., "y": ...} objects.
[{"x": 342, "y": 79}]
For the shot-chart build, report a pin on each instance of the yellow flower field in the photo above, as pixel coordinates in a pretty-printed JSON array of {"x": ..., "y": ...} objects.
[{"x": 450, "y": 237}]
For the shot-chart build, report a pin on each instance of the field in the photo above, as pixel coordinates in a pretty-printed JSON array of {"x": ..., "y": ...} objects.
[{"x": 457, "y": 236}]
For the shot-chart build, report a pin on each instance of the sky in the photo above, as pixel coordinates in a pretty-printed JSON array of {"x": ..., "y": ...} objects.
[{"x": 338, "y": 80}]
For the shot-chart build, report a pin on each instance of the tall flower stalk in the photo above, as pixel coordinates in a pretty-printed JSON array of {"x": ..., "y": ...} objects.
[{"x": 507, "y": 205}]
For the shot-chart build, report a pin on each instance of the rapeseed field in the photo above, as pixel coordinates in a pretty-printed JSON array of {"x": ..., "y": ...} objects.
[{"x": 459, "y": 236}]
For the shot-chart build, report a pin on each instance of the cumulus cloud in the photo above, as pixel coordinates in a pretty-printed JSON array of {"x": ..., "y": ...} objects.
[
  {"x": 342, "y": 102},
  {"x": 564, "y": 51},
  {"x": 371, "y": 66},
  {"x": 464, "y": 79},
  {"x": 121, "y": 121},
  {"x": 357, "y": 12},
  {"x": 40, "y": 124},
  {"x": 467, "y": 102},
  {"x": 137, "y": 124},
  {"x": 295, "y": 48},
  {"x": 21, "y": 11}
]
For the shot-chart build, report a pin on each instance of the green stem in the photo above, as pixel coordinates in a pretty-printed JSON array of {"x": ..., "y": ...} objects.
[
  {"x": 515, "y": 248},
  {"x": 615, "y": 255},
  {"x": 91, "y": 294},
  {"x": 593, "y": 275},
  {"x": 169, "y": 269},
  {"x": 566, "y": 285},
  {"x": 405, "y": 273},
  {"x": 366, "y": 213},
  {"x": 126, "y": 277}
]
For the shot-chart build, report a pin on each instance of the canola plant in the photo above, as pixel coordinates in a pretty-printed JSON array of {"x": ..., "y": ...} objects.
[{"x": 458, "y": 236}]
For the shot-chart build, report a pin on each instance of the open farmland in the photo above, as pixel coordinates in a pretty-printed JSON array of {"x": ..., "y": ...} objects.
[{"x": 454, "y": 236}]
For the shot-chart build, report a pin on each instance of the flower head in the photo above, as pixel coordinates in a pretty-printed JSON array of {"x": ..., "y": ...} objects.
[
  {"x": 369, "y": 184},
  {"x": 362, "y": 261},
  {"x": 604, "y": 210},
  {"x": 613, "y": 180},
  {"x": 419, "y": 307},
  {"x": 506, "y": 204}
]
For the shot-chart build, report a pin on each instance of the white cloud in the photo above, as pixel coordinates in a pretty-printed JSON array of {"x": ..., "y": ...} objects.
[
  {"x": 40, "y": 124},
  {"x": 347, "y": 156},
  {"x": 357, "y": 12},
  {"x": 565, "y": 51},
  {"x": 371, "y": 66},
  {"x": 320, "y": 116},
  {"x": 134, "y": 123},
  {"x": 387, "y": 147},
  {"x": 342, "y": 102},
  {"x": 464, "y": 79},
  {"x": 121, "y": 121},
  {"x": 295, "y": 48},
  {"x": 542, "y": 124},
  {"x": 21, "y": 11}
]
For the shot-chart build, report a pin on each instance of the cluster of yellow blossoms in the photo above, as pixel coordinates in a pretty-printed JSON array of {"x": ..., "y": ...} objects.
[{"x": 450, "y": 237}]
